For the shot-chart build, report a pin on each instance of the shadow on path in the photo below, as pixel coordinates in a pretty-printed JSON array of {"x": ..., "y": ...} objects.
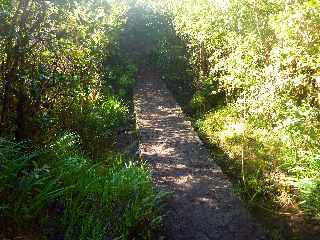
[{"x": 202, "y": 206}]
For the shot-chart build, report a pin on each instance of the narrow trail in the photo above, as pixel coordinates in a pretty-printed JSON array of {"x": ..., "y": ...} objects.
[{"x": 202, "y": 206}]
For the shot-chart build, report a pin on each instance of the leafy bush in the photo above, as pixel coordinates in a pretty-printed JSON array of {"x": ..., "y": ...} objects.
[
  {"x": 59, "y": 50},
  {"x": 26, "y": 186},
  {"x": 96, "y": 121},
  {"x": 121, "y": 78},
  {"x": 106, "y": 199}
]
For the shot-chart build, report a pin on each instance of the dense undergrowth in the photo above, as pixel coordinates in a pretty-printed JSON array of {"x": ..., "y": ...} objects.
[
  {"x": 62, "y": 194},
  {"x": 66, "y": 93},
  {"x": 248, "y": 73}
]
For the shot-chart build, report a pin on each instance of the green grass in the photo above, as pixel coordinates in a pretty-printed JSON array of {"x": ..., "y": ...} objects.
[
  {"x": 111, "y": 198},
  {"x": 267, "y": 172}
]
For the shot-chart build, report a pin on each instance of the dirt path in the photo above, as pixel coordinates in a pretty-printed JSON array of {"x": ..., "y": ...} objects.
[{"x": 203, "y": 206}]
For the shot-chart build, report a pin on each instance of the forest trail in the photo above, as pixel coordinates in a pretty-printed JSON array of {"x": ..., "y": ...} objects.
[{"x": 202, "y": 206}]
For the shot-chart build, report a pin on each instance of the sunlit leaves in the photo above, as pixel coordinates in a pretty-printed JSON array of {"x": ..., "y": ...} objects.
[{"x": 264, "y": 56}]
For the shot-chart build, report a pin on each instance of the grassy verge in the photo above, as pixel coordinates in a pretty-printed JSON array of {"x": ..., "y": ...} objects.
[
  {"x": 264, "y": 172},
  {"x": 62, "y": 192}
]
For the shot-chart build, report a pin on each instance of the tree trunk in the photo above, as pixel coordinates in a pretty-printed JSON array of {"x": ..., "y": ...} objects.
[
  {"x": 6, "y": 99},
  {"x": 204, "y": 63},
  {"x": 21, "y": 121}
]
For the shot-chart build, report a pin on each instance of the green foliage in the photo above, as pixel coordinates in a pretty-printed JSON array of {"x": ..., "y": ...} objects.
[
  {"x": 52, "y": 53},
  {"x": 247, "y": 70},
  {"x": 255, "y": 91},
  {"x": 22, "y": 176},
  {"x": 121, "y": 78},
  {"x": 66, "y": 89},
  {"x": 123, "y": 198},
  {"x": 96, "y": 120},
  {"x": 112, "y": 198}
]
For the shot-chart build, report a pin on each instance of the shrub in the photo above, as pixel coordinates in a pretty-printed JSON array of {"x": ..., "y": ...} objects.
[
  {"x": 111, "y": 198},
  {"x": 26, "y": 186}
]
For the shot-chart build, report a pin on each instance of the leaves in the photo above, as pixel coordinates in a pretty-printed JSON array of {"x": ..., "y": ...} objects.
[{"x": 253, "y": 63}]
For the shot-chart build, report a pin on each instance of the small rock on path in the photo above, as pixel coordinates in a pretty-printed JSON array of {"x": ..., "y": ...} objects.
[{"x": 202, "y": 206}]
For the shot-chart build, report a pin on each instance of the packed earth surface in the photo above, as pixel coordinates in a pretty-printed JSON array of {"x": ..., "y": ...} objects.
[{"x": 202, "y": 205}]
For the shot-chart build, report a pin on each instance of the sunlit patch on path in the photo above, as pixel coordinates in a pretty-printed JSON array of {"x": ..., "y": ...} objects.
[{"x": 202, "y": 205}]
